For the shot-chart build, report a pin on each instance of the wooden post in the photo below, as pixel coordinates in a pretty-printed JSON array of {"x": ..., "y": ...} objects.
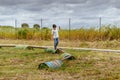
[
  {"x": 15, "y": 23},
  {"x": 100, "y": 23},
  {"x": 69, "y": 27},
  {"x": 41, "y": 27},
  {"x": 16, "y": 28}
]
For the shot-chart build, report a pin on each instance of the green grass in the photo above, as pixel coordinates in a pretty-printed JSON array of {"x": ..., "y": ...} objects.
[{"x": 22, "y": 65}]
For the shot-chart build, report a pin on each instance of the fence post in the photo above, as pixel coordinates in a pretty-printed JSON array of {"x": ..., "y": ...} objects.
[
  {"x": 69, "y": 27},
  {"x": 15, "y": 23},
  {"x": 41, "y": 27},
  {"x": 100, "y": 23},
  {"x": 16, "y": 35}
]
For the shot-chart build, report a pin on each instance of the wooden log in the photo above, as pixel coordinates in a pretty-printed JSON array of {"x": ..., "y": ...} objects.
[
  {"x": 91, "y": 49},
  {"x": 74, "y": 48},
  {"x": 39, "y": 47},
  {"x": 30, "y": 46},
  {"x": 7, "y": 45}
]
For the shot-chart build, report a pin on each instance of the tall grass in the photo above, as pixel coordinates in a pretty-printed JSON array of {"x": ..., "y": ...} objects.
[{"x": 83, "y": 34}]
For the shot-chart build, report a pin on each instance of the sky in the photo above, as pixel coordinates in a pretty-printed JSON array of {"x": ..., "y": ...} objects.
[{"x": 82, "y": 12}]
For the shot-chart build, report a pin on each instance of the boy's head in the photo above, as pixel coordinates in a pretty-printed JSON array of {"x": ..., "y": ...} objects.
[{"x": 54, "y": 26}]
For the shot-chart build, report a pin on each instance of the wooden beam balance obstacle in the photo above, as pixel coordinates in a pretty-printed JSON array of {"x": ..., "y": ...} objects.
[
  {"x": 27, "y": 46},
  {"x": 45, "y": 47},
  {"x": 64, "y": 56}
]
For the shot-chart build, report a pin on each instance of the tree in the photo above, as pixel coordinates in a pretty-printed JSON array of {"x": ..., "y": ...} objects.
[
  {"x": 25, "y": 25},
  {"x": 37, "y": 26}
]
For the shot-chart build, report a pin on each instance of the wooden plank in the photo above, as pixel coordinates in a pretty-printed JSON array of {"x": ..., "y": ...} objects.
[
  {"x": 74, "y": 48},
  {"x": 7, "y": 45},
  {"x": 14, "y": 45},
  {"x": 30, "y": 46},
  {"x": 86, "y": 49},
  {"x": 40, "y": 47},
  {"x": 91, "y": 49}
]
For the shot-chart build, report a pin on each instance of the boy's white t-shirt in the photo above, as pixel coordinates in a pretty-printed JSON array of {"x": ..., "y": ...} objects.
[{"x": 55, "y": 33}]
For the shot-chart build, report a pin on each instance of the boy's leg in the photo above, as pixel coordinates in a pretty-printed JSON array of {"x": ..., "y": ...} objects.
[{"x": 56, "y": 41}]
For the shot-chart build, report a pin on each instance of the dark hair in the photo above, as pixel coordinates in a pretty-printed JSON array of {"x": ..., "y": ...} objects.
[{"x": 54, "y": 26}]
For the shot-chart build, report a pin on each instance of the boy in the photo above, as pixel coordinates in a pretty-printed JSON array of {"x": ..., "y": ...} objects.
[{"x": 55, "y": 36}]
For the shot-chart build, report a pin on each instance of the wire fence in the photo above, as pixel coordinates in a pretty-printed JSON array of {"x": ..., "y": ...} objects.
[
  {"x": 65, "y": 23},
  {"x": 68, "y": 24}
]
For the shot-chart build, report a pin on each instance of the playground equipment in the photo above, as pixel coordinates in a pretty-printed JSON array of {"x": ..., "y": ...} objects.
[
  {"x": 72, "y": 48},
  {"x": 55, "y": 63},
  {"x": 51, "y": 64},
  {"x": 67, "y": 56},
  {"x": 50, "y": 50}
]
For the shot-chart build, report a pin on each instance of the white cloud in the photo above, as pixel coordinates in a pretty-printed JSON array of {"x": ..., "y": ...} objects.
[{"x": 58, "y": 11}]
